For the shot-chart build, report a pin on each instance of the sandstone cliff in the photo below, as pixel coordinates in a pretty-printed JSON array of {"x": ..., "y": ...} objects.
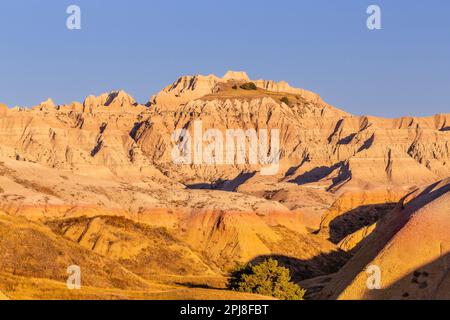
[{"x": 101, "y": 171}]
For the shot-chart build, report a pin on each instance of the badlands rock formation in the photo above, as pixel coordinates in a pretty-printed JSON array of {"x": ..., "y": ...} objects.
[
  {"x": 411, "y": 247},
  {"x": 100, "y": 175},
  {"x": 3, "y": 296}
]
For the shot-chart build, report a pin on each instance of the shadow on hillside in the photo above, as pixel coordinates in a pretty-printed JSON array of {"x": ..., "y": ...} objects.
[
  {"x": 446, "y": 128},
  {"x": 303, "y": 269},
  {"x": 192, "y": 285},
  {"x": 201, "y": 186},
  {"x": 232, "y": 185},
  {"x": 356, "y": 219},
  {"x": 300, "y": 270},
  {"x": 384, "y": 231},
  {"x": 347, "y": 139},
  {"x": 319, "y": 173},
  {"x": 364, "y": 216},
  {"x": 367, "y": 144},
  {"x": 430, "y": 282},
  {"x": 428, "y": 195},
  {"x": 224, "y": 185},
  {"x": 316, "y": 174}
]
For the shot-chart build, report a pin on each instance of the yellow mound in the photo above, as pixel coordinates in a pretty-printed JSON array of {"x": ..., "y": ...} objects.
[{"x": 411, "y": 247}]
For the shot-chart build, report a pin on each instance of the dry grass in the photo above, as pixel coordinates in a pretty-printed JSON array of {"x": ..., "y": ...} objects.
[
  {"x": 30, "y": 249},
  {"x": 34, "y": 260},
  {"x": 35, "y": 186},
  {"x": 144, "y": 250},
  {"x": 21, "y": 288}
]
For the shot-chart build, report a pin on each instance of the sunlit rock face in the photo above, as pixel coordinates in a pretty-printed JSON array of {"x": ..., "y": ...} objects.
[{"x": 338, "y": 184}]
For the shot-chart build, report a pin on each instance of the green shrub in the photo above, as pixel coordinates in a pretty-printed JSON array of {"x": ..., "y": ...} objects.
[
  {"x": 266, "y": 278},
  {"x": 249, "y": 86},
  {"x": 285, "y": 100}
]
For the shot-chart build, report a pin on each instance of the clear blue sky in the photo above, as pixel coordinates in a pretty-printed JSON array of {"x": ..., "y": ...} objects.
[{"x": 142, "y": 46}]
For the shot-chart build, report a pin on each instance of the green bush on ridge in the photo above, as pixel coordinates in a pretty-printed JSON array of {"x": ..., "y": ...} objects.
[{"x": 249, "y": 86}]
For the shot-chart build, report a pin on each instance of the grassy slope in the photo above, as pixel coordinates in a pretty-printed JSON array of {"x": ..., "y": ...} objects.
[{"x": 34, "y": 260}]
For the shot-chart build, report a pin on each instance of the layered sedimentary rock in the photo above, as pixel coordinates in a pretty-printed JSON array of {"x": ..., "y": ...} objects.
[
  {"x": 70, "y": 166},
  {"x": 225, "y": 227},
  {"x": 326, "y": 155},
  {"x": 410, "y": 248},
  {"x": 318, "y": 143}
]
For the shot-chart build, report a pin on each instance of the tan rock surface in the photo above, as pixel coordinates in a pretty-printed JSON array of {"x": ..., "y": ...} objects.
[
  {"x": 72, "y": 167},
  {"x": 3, "y": 296},
  {"x": 225, "y": 228},
  {"x": 411, "y": 247},
  {"x": 32, "y": 250}
]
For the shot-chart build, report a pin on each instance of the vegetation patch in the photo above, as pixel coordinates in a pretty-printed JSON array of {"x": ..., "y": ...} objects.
[
  {"x": 266, "y": 278},
  {"x": 285, "y": 100},
  {"x": 249, "y": 86}
]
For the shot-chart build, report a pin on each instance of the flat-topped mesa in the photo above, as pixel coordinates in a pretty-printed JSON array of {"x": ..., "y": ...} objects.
[{"x": 189, "y": 88}]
